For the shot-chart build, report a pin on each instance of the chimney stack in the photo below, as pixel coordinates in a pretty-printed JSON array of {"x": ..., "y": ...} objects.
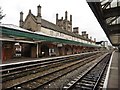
[
  {"x": 38, "y": 18},
  {"x": 66, "y": 15},
  {"x": 83, "y": 33},
  {"x": 86, "y": 35},
  {"x": 39, "y": 10},
  {"x": 71, "y": 19},
  {"x": 76, "y": 30},
  {"x": 21, "y": 19},
  {"x": 56, "y": 18}
]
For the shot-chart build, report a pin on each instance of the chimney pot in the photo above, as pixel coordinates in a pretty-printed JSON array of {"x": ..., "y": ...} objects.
[
  {"x": 21, "y": 16},
  {"x": 21, "y": 19},
  {"x": 66, "y": 15},
  {"x": 39, "y": 10},
  {"x": 57, "y": 16}
]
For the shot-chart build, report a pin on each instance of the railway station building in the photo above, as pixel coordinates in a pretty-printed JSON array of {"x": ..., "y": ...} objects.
[{"x": 36, "y": 37}]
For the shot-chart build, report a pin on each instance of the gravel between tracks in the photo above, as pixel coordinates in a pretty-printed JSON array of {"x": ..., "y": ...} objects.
[{"x": 60, "y": 83}]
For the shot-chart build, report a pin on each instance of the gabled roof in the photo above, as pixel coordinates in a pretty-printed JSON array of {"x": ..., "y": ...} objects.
[{"x": 54, "y": 27}]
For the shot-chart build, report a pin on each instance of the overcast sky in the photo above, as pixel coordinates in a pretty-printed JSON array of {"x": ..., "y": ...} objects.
[{"x": 79, "y": 9}]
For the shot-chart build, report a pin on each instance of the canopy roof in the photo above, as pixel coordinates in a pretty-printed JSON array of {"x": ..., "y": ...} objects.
[
  {"x": 107, "y": 13},
  {"x": 15, "y": 31}
]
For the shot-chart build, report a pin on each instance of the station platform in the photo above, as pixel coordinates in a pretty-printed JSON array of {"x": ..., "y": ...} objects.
[
  {"x": 21, "y": 59},
  {"x": 26, "y": 60},
  {"x": 113, "y": 73}
]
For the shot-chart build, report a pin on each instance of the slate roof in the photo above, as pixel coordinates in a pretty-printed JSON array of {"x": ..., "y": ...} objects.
[{"x": 54, "y": 27}]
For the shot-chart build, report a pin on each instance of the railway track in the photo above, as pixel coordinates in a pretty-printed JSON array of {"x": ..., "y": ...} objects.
[
  {"x": 39, "y": 79},
  {"x": 32, "y": 69},
  {"x": 24, "y": 69},
  {"x": 92, "y": 79}
]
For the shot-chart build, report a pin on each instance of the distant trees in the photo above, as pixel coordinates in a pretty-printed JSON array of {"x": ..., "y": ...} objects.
[{"x": 1, "y": 14}]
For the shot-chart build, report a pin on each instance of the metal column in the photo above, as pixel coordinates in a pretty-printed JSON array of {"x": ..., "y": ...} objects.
[{"x": 37, "y": 50}]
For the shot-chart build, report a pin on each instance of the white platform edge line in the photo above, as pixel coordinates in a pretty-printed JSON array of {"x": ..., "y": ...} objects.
[{"x": 108, "y": 72}]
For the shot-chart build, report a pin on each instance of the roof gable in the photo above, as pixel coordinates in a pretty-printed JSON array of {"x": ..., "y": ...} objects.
[
  {"x": 50, "y": 25},
  {"x": 30, "y": 15},
  {"x": 30, "y": 23}
]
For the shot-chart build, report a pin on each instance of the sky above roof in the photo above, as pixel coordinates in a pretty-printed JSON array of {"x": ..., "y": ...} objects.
[{"x": 82, "y": 15}]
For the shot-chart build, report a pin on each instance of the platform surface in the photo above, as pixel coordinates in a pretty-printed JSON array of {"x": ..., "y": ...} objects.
[
  {"x": 113, "y": 69},
  {"x": 25, "y": 60}
]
